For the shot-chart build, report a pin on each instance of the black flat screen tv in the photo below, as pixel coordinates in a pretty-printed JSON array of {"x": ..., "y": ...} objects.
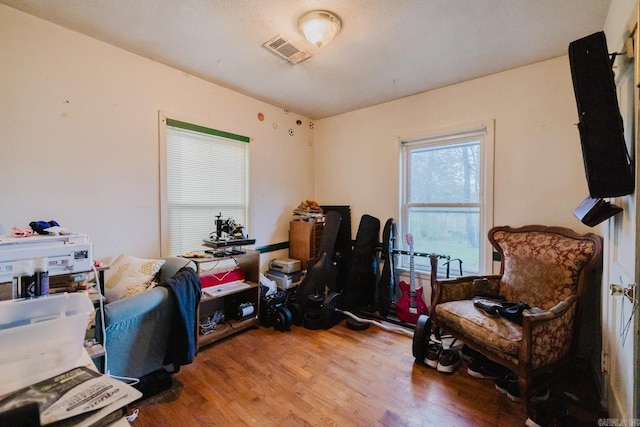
[{"x": 607, "y": 164}]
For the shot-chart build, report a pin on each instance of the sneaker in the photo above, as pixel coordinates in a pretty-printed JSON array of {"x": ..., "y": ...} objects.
[
  {"x": 484, "y": 368},
  {"x": 502, "y": 383},
  {"x": 513, "y": 390},
  {"x": 448, "y": 361},
  {"x": 489, "y": 307},
  {"x": 547, "y": 414},
  {"x": 514, "y": 312},
  {"x": 433, "y": 354},
  {"x": 468, "y": 354},
  {"x": 539, "y": 395}
]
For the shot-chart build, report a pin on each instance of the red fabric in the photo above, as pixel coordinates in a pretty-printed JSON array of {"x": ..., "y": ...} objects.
[{"x": 210, "y": 278}]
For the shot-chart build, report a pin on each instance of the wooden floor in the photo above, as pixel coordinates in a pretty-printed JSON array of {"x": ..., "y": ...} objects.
[{"x": 335, "y": 377}]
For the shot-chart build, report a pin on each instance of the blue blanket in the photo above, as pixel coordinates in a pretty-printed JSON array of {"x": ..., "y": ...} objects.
[{"x": 185, "y": 289}]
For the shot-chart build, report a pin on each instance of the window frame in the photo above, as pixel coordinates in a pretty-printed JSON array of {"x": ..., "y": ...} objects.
[
  {"x": 199, "y": 126},
  {"x": 484, "y": 131}
]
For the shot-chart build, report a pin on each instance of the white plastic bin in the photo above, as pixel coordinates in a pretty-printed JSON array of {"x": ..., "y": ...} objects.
[{"x": 41, "y": 337}]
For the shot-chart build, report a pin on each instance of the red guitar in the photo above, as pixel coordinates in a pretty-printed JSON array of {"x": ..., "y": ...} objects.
[{"x": 410, "y": 305}]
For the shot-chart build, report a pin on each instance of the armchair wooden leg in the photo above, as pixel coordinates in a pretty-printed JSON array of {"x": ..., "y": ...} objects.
[{"x": 525, "y": 392}]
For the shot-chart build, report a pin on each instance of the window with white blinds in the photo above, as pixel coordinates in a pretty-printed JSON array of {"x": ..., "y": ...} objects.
[{"x": 206, "y": 176}]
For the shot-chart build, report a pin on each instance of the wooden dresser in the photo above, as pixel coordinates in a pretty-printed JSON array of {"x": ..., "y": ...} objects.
[{"x": 304, "y": 240}]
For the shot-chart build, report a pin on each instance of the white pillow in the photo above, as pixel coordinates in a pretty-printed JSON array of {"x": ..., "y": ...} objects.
[{"x": 128, "y": 276}]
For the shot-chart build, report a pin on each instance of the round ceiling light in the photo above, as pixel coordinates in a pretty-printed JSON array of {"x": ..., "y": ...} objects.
[{"x": 320, "y": 26}]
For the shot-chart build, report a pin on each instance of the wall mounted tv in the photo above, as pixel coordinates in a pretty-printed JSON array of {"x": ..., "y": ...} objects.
[{"x": 607, "y": 163}]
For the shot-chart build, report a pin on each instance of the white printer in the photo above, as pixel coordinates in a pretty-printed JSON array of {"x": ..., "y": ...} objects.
[{"x": 68, "y": 253}]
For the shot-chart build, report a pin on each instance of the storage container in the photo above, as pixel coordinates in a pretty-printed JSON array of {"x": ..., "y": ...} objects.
[{"x": 41, "y": 337}]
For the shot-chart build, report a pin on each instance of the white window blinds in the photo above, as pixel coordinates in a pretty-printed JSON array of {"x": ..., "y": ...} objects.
[{"x": 207, "y": 175}]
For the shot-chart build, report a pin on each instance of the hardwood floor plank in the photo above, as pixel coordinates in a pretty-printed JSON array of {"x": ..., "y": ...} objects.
[{"x": 335, "y": 377}]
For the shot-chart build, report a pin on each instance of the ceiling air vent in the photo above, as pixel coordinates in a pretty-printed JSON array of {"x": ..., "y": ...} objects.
[{"x": 284, "y": 48}]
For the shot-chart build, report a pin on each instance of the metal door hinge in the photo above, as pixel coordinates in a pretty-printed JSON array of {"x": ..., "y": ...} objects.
[{"x": 604, "y": 362}]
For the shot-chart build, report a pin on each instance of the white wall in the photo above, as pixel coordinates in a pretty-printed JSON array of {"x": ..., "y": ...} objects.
[
  {"x": 79, "y": 138},
  {"x": 539, "y": 175},
  {"x": 538, "y": 172}
]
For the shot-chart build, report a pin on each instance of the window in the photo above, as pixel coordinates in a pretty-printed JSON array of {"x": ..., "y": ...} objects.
[
  {"x": 205, "y": 174},
  {"x": 446, "y": 195}
]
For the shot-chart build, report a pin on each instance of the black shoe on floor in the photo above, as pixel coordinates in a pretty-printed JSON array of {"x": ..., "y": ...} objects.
[
  {"x": 502, "y": 383},
  {"x": 433, "y": 354},
  {"x": 547, "y": 414},
  {"x": 485, "y": 369},
  {"x": 448, "y": 361},
  {"x": 508, "y": 384},
  {"x": 468, "y": 354}
]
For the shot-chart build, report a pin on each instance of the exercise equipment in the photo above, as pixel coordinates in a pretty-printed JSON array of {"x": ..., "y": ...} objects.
[
  {"x": 333, "y": 313},
  {"x": 274, "y": 310},
  {"x": 297, "y": 313},
  {"x": 313, "y": 316},
  {"x": 332, "y": 310},
  {"x": 283, "y": 319},
  {"x": 421, "y": 337}
]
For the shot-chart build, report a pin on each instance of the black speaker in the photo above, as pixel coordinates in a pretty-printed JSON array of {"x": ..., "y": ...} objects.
[
  {"x": 593, "y": 211},
  {"x": 608, "y": 166}
]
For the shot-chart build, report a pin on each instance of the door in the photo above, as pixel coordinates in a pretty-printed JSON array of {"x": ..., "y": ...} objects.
[{"x": 619, "y": 325}]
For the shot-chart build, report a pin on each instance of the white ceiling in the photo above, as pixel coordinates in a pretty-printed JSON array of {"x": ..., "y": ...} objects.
[{"x": 387, "y": 49}]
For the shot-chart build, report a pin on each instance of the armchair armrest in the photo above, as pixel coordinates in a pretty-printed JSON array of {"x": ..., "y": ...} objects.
[
  {"x": 136, "y": 332},
  {"x": 172, "y": 265},
  {"x": 546, "y": 336},
  {"x": 464, "y": 288},
  {"x": 132, "y": 308}
]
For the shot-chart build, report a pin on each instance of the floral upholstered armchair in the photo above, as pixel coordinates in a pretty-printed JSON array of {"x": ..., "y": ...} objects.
[{"x": 546, "y": 267}]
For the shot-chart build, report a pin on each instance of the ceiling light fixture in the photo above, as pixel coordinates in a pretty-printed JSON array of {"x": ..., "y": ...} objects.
[{"x": 320, "y": 26}]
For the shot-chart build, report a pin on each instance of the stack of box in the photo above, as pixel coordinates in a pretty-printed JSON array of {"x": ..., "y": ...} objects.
[{"x": 285, "y": 272}]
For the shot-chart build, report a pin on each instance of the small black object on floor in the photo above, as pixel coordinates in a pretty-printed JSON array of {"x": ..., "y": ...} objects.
[
  {"x": 154, "y": 383},
  {"x": 357, "y": 325}
]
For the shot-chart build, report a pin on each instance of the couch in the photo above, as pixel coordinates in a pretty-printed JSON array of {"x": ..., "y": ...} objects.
[{"x": 137, "y": 328}]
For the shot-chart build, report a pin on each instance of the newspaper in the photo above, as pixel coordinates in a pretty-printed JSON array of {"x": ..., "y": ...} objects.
[{"x": 78, "y": 393}]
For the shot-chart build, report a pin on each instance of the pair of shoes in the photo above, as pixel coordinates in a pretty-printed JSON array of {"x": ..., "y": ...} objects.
[
  {"x": 448, "y": 361},
  {"x": 547, "y": 414},
  {"x": 445, "y": 361},
  {"x": 508, "y": 384},
  {"x": 484, "y": 368},
  {"x": 433, "y": 354}
]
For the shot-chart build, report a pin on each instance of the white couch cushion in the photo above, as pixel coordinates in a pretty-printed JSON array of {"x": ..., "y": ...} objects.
[{"x": 129, "y": 276}]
